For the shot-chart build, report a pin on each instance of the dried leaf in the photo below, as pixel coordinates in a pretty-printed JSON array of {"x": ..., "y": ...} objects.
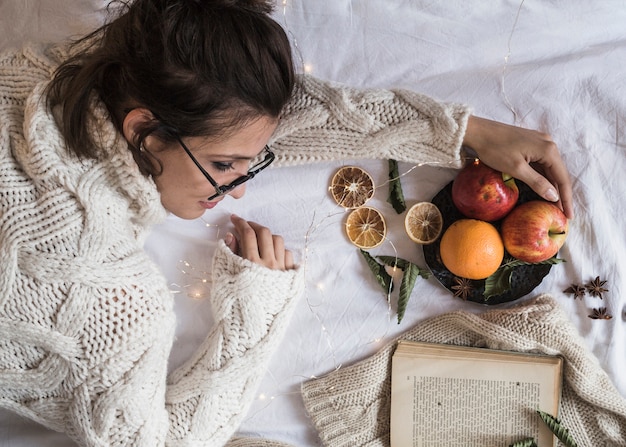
[
  {"x": 396, "y": 196},
  {"x": 381, "y": 275},
  {"x": 559, "y": 431}
]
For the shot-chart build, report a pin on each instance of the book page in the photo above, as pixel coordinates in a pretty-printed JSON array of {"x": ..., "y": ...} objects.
[{"x": 473, "y": 400}]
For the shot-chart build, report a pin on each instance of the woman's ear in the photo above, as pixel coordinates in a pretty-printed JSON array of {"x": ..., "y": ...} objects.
[{"x": 134, "y": 121}]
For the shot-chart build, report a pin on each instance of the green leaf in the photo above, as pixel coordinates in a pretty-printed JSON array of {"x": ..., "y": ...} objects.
[
  {"x": 396, "y": 196},
  {"x": 559, "y": 431},
  {"x": 512, "y": 262},
  {"x": 528, "y": 442},
  {"x": 410, "y": 272},
  {"x": 394, "y": 261},
  {"x": 381, "y": 275},
  {"x": 500, "y": 281},
  {"x": 406, "y": 287}
]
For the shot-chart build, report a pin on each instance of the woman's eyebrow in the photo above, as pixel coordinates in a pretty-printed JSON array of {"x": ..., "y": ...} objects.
[{"x": 236, "y": 157}]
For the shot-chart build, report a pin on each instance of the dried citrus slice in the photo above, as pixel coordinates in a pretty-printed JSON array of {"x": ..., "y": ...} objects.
[
  {"x": 366, "y": 227},
  {"x": 423, "y": 223},
  {"x": 351, "y": 187}
]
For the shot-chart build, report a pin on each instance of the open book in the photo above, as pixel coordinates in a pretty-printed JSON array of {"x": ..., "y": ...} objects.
[{"x": 452, "y": 396}]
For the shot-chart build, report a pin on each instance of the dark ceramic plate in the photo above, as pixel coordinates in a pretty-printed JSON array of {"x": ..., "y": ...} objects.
[{"x": 524, "y": 277}]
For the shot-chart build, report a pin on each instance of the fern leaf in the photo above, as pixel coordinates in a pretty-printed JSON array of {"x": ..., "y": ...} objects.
[
  {"x": 528, "y": 442},
  {"x": 559, "y": 431}
]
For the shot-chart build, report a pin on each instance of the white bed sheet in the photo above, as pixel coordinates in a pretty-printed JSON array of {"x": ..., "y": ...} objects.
[{"x": 551, "y": 65}]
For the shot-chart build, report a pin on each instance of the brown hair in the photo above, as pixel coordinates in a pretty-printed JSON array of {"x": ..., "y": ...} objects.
[{"x": 202, "y": 67}]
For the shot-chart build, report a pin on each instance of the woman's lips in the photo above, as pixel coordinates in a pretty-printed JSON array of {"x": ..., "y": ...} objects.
[{"x": 208, "y": 205}]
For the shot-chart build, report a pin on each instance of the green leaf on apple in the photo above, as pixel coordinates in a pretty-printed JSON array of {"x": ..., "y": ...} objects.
[
  {"x": 396, "y": 196},
  {"x": 500, "y": 281}
]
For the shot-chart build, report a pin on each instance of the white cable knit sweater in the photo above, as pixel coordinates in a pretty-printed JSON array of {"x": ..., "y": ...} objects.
[{"x": 86, "y": 319}]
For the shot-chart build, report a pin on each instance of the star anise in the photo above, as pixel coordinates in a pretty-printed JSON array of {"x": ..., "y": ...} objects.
[
  {"x": 463, "y": 287},
  {"x": 600, "y": 314},
  {"x": 596, "y": 287},
  {"x": 576, "y": 290}
]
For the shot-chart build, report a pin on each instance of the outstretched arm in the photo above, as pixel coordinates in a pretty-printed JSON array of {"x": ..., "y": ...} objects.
[{"x": 326, "y": 121}]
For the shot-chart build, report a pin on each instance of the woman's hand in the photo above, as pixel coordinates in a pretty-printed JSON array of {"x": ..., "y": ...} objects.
[
  {"x": 257, "y": 244},
  {"x": 514, "y": 150}
]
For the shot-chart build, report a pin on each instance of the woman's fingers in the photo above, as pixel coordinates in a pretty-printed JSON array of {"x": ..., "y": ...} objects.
[
  {"x": 231, "y": 242},
  {"x": 515, "y": 150},
  {"x": 258, "y": 244},
  {"x": 289, "y": 265}
]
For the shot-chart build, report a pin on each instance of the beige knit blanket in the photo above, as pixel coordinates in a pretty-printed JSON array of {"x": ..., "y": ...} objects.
[{"x": 350, "y": 407}]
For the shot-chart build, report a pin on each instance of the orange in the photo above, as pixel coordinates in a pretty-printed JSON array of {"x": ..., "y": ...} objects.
[
  {"x": 423, "y": 223},
  {"x": 471, "y": 249},
  {"x": 351, "y": 187},
  {"x": 366, "y": 227}
]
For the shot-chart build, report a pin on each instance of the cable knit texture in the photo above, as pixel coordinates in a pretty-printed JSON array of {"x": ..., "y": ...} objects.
[
  {"x": 86, "y": 319},
  {"x": 326, "y": 121},
  {"x": 351, "y": 407}
]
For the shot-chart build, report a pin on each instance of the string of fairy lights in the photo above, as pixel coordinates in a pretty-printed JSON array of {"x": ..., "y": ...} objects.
[{"x": 198, "y": 282}]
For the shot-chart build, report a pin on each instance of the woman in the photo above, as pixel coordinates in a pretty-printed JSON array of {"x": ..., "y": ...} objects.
[{"x": 167, "y": 108}]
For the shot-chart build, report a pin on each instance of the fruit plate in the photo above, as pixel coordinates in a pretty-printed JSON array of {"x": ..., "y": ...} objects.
[{"x": 524, "y": 277}]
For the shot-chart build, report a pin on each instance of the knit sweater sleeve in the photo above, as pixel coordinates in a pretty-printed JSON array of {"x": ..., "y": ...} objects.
[
  {"x": 326, "y": 121},
  {"x": 209, "y": 396}
]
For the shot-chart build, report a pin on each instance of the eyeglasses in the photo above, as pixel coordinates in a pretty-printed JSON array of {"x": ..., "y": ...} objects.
[{"x": 225, "y": 189}]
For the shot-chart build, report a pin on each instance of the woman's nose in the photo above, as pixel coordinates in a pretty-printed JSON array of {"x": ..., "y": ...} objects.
[{"x": 238, "y": 192}]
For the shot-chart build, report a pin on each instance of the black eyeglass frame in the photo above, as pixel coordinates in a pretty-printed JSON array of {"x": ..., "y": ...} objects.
[{"x": 225, "y": 189}]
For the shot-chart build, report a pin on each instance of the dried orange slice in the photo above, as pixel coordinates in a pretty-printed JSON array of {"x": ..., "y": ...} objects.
[
  {"x": 366, "y": 227},
  {"x": 423, "y": 223},
  {"x": 351, "y": 187}
]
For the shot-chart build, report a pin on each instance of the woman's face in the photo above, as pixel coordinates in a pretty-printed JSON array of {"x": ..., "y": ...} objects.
[{"x": 184, "y": 189}]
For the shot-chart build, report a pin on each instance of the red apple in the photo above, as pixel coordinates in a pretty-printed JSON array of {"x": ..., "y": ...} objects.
[
  {"x": 534, "y": 231},
  {"x": 480, "y": 192}
]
